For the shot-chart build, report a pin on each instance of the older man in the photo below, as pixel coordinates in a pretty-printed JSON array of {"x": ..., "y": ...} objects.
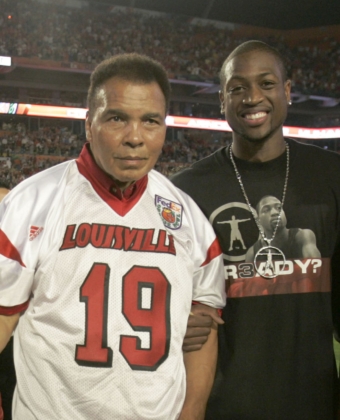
[
  {"x": 105, "y": 256},
  {"x": 7, "y": 372}
]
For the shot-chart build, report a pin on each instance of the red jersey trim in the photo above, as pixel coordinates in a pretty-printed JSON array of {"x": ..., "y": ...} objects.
[
  {"x": 12, "y": 310},
  {"x": 8, "y": 250},
  {"x": 104, "y": 185},
  {"x": 213, "y": 252},
  {"x": 219, "y": 311}
]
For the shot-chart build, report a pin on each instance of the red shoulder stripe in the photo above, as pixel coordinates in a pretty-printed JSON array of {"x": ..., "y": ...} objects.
[
  {"x": 213, "y": 252},
  {"x": 8, "y": 250},
  {"x": 219, "y": 311}
]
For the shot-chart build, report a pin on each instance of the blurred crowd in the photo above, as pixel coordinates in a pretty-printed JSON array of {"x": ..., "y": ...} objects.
[
  {"x": 52, "y": 32},
  {"x": 24, "y": 152},
  {"x": 82, "y": 36}
]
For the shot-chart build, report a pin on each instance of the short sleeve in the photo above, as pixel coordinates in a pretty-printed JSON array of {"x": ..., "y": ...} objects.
[
  {"x": 209, "y": 281},
  {"x": 16, "y": 275}
]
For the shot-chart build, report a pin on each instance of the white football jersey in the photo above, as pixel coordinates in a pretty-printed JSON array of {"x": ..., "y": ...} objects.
[{"x": 108, "y": 295}]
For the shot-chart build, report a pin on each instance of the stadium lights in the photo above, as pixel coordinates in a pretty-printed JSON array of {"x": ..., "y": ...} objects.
[
  {"x": 34, "y": 110},
  {"x": 5, "y": 61}
]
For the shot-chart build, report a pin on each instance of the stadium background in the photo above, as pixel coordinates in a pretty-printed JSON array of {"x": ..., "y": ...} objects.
[{"x": 48, "y": 49}]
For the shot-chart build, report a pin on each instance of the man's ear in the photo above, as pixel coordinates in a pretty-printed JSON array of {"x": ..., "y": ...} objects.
[
  {"x": 88, "y": 129},
  {"x": 287, "y": 87},
  {"x": 222, "y": 101}
]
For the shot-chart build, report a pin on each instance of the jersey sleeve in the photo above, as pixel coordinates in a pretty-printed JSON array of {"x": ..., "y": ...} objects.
[
  {"x": 26, "y": 214},
  {"x": 206, "y": 253},
  {"x": 16, "y": 271}
]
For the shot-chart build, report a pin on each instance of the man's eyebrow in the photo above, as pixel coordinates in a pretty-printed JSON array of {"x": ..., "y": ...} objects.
[
  {"x": 240, "y": 77},
  {"x": 123, "y": 114},
  {"x": 267, "y": 73},
  {"x": 113, "y": 111},
  {"x": 152, "y": 115}
]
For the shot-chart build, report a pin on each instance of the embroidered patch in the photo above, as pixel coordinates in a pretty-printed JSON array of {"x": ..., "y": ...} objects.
[
  {"x": 170, "y": 212},
  {"x": 34, "y": 232}
]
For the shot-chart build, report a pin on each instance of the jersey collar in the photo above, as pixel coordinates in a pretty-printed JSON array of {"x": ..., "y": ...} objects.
[{"x": 120, "y": 201}]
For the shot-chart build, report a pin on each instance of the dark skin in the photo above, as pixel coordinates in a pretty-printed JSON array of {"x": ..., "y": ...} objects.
[
  {"x": 254, "y": 99},
  {"x": 199, "y": 326}
]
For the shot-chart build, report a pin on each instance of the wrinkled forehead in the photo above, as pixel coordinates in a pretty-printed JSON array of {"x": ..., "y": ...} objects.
[{"x": 118, "y": 90}]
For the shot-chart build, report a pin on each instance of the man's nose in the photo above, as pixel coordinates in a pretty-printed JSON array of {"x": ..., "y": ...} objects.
[
  {"x": 274, "y": 210},
  {"x": 253, "y": 95},
  {"x": 133, "y": 136}
]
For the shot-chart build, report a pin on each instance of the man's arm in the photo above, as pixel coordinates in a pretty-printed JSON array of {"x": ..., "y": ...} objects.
[
  {"x": 307, "y": 240},
  {"x": 200, "y": 370},
  {"x": 7, "y": 325},
  {"x": 199, "y": 326},
  {"x": 250, "y": 255}
]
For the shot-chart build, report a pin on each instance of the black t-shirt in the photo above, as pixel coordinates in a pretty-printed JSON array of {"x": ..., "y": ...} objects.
[{"x": 275, "y": 349}]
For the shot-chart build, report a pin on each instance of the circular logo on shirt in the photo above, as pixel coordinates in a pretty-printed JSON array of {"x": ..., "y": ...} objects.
[{"x": 235, "y": 229}]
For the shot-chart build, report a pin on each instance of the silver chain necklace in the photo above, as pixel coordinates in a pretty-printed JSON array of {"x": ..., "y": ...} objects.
[{"x": 267, "y": 270}]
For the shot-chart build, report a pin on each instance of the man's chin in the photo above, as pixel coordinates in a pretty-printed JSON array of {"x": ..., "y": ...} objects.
[
  {"x": 256, "y": 138},
  {"x": 257, "y": 135},
  {"x": 128, "y": 177}
]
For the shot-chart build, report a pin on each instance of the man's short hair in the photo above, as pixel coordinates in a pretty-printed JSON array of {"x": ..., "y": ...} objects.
[
  {"x": 264, "y": 198},
  {"x": 250, "y": 46},
  {"x": 132, "y": 67}
]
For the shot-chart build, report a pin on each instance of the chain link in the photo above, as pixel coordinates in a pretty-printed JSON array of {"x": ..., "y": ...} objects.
[{"x": 238, "y": 176}]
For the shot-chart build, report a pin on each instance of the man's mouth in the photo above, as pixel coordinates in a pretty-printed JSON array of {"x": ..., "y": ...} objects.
[
  {"x": 275, "y": 220},
  {"x": 131, "y": 158},
  {"x": 254, "y": 117}
]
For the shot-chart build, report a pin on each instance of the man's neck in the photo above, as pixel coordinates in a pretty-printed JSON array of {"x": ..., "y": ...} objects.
[
  {"x": 258, "y": 151},
  {"x": 281, "y": 237}
]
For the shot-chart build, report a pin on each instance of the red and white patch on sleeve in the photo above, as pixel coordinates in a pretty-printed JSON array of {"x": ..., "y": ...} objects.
[{"x": 34, "y": 232}]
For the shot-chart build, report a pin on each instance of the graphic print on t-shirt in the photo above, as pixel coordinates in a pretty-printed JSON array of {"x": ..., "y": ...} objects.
[
  {"x": 235, "y": 229},
  {"x": 292, "y": 264}
]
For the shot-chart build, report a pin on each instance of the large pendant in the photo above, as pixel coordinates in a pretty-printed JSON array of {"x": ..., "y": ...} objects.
[{"x": 269, "y": 261}]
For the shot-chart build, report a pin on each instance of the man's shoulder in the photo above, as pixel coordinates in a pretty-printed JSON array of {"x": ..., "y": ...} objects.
[
  {"x": 302, "y": 234},
  {"x": 46, "y": 177},
  {"x": 199, "y": 171},
  {"x": 41, "y": 186},
  {"x": 311, "y": 162},
  {"x": 189, "y": 219},
  {"x": 161, "y": 186},
  {"x": 314, "y": 152}
]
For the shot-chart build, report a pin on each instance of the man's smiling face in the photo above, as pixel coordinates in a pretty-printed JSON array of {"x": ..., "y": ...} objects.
[{"x": 255, "y": 96}]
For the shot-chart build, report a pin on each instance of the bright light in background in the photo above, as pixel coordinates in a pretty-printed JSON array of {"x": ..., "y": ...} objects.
[
  {"x": 35, "y": 110},
  {"x": 5, "y": 61}
]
